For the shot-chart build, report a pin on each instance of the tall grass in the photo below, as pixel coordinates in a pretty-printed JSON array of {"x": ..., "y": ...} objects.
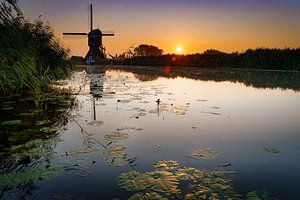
[{"x": 30, "y": 55}]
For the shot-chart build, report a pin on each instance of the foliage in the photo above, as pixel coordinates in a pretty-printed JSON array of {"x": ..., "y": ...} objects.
[
  {"x": 206, "y": 154},
  {"x": 172, "y": 181},
  {"x": 11, "y": 122},
  {"x": 30, "y": 55},
  {"x": 37, "y": 173},
  {"x": 258, "y": 195},
  {"x": 147, "y": 50},
  {"x": 261, "y": 58}
]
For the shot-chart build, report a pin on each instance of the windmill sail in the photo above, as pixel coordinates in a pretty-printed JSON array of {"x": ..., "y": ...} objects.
[
  {"x": 75, "y": 34},
  {"x": 91, "y": 17},
  {"x": 96, "y": 48}
]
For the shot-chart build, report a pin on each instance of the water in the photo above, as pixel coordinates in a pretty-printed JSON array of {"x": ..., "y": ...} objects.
[{"x": 239, "y": 129}]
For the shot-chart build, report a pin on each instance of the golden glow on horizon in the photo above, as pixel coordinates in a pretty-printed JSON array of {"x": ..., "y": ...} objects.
[{"x": 179, "y": 49}]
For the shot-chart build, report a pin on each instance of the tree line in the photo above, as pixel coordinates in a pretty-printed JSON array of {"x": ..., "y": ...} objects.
[{"x": 260, "y": 58}]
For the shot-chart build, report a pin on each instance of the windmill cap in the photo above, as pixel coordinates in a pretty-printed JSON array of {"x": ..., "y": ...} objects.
[{"x": 95, "y": 32}]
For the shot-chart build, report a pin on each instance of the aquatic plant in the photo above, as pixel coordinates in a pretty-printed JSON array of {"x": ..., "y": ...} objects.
[
  {"x": 11, "y": 122},
  {"x": 114, "y": 150},
  {"x": 165, "y": 183},
  {"x": 271, "y": 150},
  {"x": 116, "y": 136},
  {"x": 147, "y": 196},
  {"x": 206, "y": 154},
  {"x": 32, "y": 174},
  {"x": 30, "y": 55},
  {"x": 258, "y": 195}
]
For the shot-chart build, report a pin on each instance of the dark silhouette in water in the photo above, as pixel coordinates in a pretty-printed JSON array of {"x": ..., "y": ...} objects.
[{"x": 96, "y": 49}]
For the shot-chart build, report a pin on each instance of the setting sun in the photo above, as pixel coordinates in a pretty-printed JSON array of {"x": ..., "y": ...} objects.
[{"x": 179, "y": 49}]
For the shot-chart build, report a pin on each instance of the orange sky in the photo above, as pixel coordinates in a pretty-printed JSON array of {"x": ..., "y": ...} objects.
[{"x": 195, "y": 25}]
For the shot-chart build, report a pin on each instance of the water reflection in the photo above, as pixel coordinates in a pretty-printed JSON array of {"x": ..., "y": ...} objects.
[
  {"x": 253, "y": 78},
  {"x": 114, "y": 121},
  {"x": 29, "y": 133}
]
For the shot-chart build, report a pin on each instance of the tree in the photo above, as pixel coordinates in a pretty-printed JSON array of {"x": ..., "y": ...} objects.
[{"x": 147, "y": 50}]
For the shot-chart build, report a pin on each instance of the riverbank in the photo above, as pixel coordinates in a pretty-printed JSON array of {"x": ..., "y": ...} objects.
[
  {"x": 261, "y": 58},
  {"x": 30, "y": 55}
]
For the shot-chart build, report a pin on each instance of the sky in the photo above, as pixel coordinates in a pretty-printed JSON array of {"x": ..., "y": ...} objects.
[{"x": 195, "y": 25}]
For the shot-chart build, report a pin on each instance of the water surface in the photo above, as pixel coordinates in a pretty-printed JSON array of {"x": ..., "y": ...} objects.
[{"x": 76, "y": 140}]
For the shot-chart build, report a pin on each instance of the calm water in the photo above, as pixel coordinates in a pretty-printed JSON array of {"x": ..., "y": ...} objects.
[{"x": 240, "y": 129}]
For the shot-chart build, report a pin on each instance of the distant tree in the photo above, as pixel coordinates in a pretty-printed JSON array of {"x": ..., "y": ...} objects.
[
  {"x": 147, "y": 50},
  {"x": 213, "y": 52}
]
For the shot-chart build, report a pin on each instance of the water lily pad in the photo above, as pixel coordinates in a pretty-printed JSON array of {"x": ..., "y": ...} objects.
[
  {"x": 206, "y": 154},
  {"x": 163, "y": 181},
  {"x": 147, "y": 196},
  {"x": 167, "y": 165},
  {"x": 11, "y": 122},
  {"x": 189, "y": 173},
  {"x": 118, "y": 161},
  {"x": 42, "y": 122},
  {"x": 84, "y": 150},
  {"x": 34, "y": 148},
  {"x": 130, "y": 128},
  {"x": 95, "y": 123},
  {"x": 271, "y": 150},
  {"x": 114, "y": 150},
  {"x": 178, "y": 110},
  {"x": 116, "y": 136},
  {"x": 258, "y": 195},
  {"x": 49, "y": 129},
  {"x": 32, "y": 174},
  {"x": 133, "y": 181}
]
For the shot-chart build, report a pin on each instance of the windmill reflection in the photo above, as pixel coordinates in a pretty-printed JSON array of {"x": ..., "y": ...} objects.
[{"x": 96, "y": 76}]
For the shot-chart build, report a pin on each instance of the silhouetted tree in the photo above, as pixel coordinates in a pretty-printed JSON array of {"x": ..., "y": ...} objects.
[{"x": 147, "y": 50}]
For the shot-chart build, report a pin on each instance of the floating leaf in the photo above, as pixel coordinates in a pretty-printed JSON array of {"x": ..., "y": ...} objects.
[
  {"x": 49, "y": 129},
  {"x": 116, "y": 136},
  {"x": 166, "y": 181},
  {"x": 130, "y": 128},
  {"x": 119, "y": 161},
  {"x": 42, "y": 122},
  {"x": 258, "y": 195},
  {"x": 214, "y": 107},
  {"x": 32, "y": 174},
  {"x": 114, "y": 150},
  {"x": 178, "y": 110},
  {"x": 147, "y": 196},
  {"x": 133, "y": 181},
  {"x": 84, "y": 150},
  {"x": 189, "y": 173},
  {"x": 167, "y": 165},
  {"x": 95, "y": 123},
  {"x": 206, "y": 154},
  {"x": 163, "y": 181},
  {"x": 271, "y": 150},
  {"x": 11, "y": 122}
]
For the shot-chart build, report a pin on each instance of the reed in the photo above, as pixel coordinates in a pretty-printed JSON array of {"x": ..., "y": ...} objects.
[{"x": 30, "y": 55}]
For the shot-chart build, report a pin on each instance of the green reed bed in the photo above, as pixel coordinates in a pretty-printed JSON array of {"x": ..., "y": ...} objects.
[{"x": 30, "y": 55}]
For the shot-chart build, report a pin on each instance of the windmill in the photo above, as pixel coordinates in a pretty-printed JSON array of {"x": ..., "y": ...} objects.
[{"x": 96, "y": 48}]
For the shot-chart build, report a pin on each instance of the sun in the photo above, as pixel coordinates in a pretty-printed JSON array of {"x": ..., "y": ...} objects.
[{"x": 179, "y": 49}]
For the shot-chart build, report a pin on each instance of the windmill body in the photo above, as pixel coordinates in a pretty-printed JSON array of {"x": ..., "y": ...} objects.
[{"x": 96, "y": 49}]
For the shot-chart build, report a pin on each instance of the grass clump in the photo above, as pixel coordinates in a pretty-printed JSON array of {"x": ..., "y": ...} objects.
[{"x": 30, "y": 55}]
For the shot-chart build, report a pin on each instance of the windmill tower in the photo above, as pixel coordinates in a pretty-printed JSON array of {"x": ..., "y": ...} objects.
[{"x": 96, "y": 48}]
